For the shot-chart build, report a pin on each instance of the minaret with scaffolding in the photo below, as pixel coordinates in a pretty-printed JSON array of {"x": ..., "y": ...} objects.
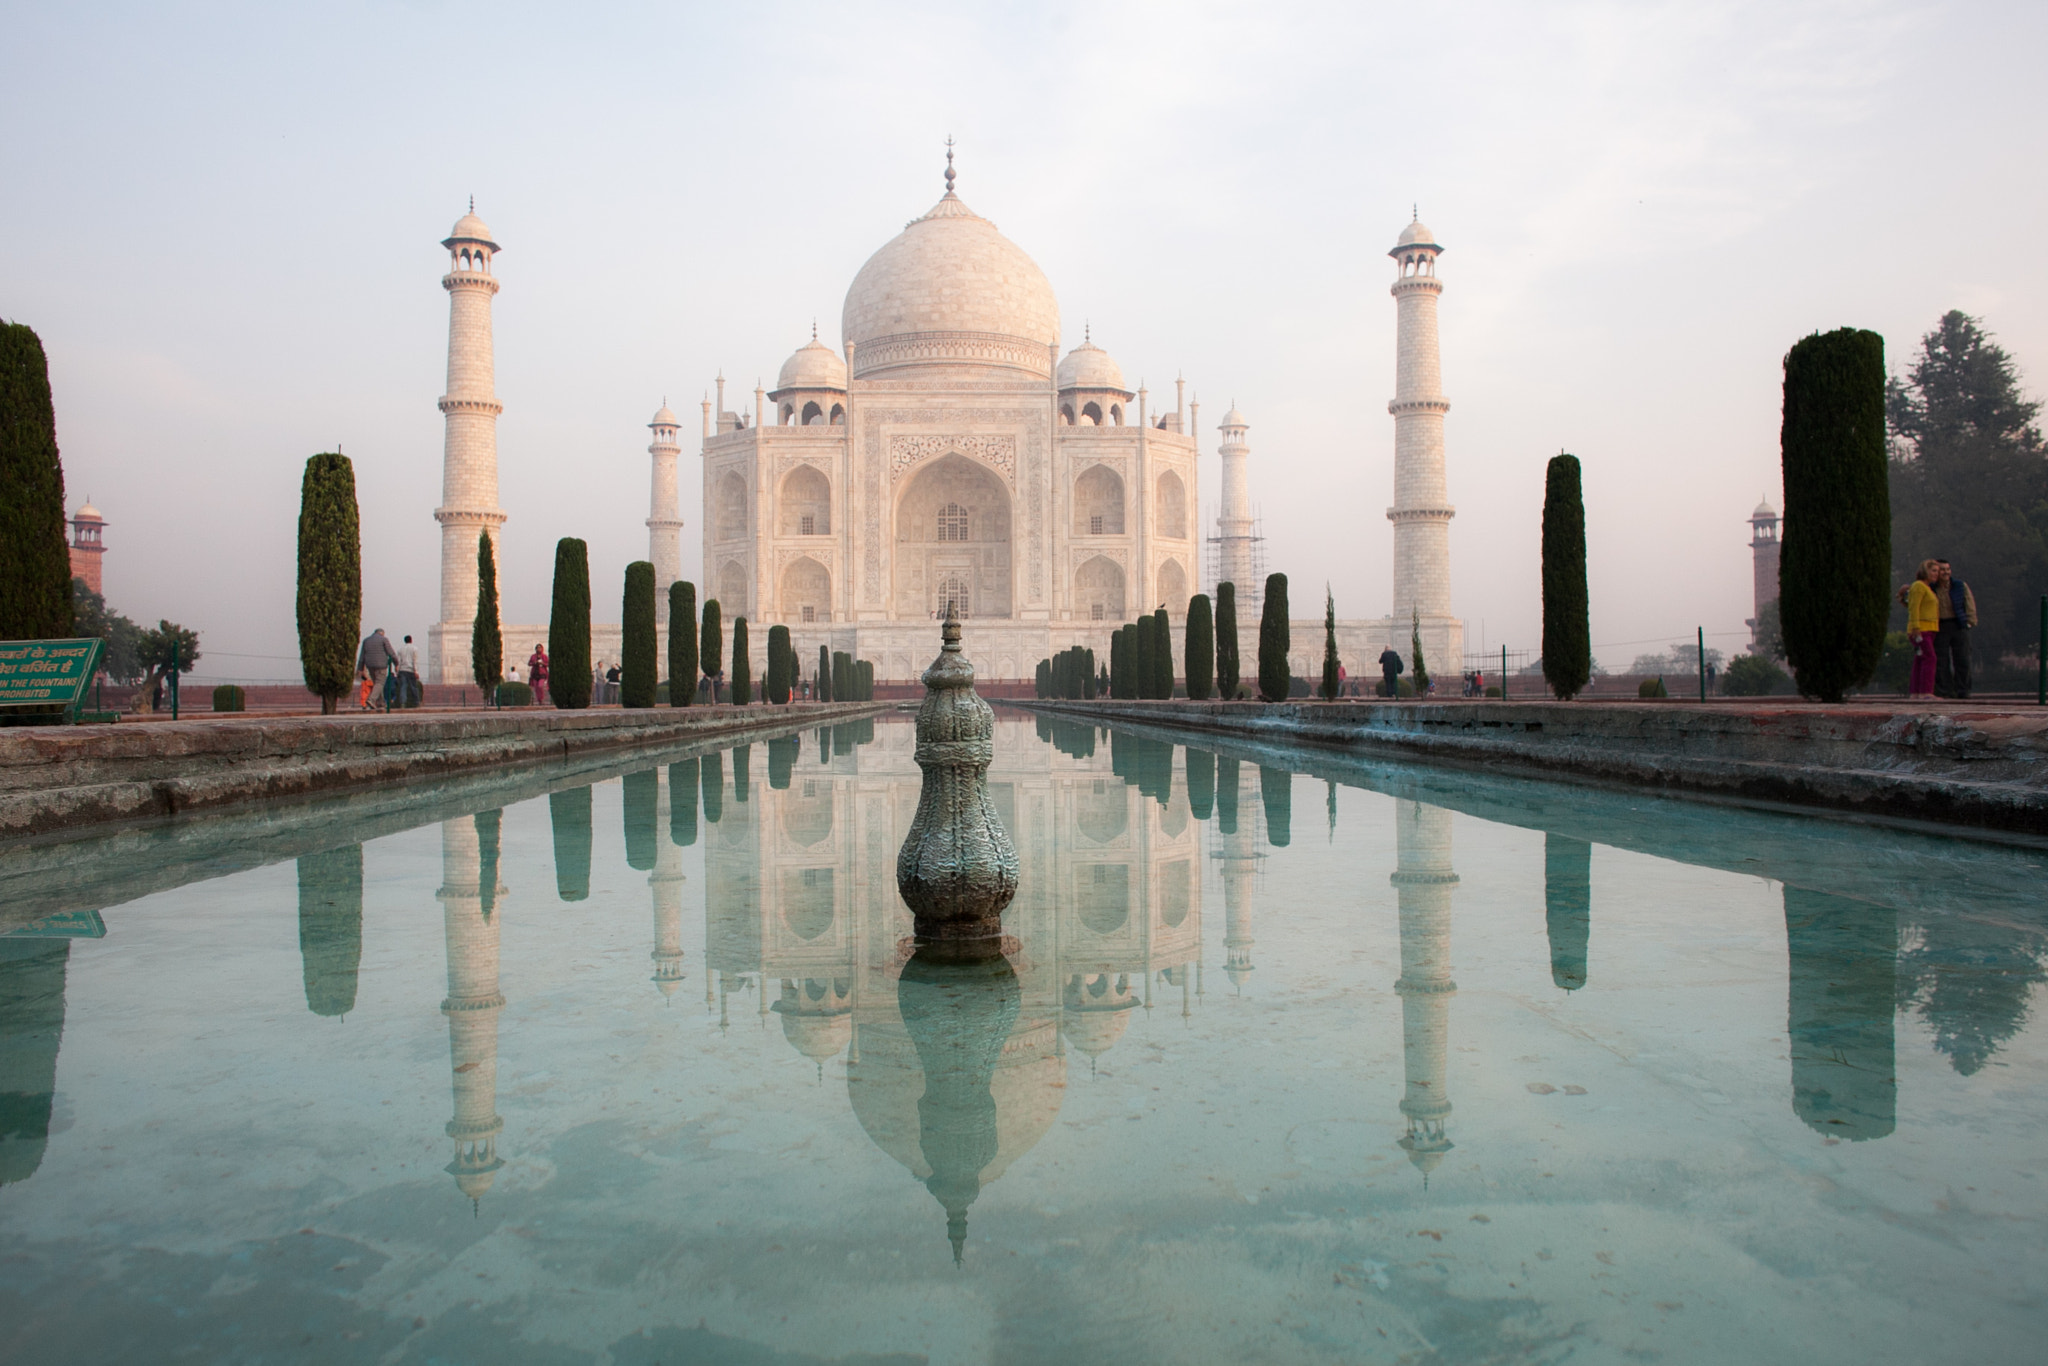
[{"x": 1237, "y": 552}]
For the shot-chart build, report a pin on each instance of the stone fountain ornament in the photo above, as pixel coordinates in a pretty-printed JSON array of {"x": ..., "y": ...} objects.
[{"x": 957, "y": 869}]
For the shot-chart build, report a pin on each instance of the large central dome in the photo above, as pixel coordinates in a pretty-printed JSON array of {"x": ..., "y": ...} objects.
[{"x": 950, "y": 292}]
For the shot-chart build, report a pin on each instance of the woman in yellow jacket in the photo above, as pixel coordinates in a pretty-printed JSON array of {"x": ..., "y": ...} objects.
[{"x": 1923, "y": 619}]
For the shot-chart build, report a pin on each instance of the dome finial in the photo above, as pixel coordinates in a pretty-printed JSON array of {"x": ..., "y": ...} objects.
[
  {"x": 1415, "y": 212},
  {"x": 814, "y": 329},
  {"x": 1087, "y": 334},
  {"x": 949, "y": 163},
  {"x": 472, "y": 203}
]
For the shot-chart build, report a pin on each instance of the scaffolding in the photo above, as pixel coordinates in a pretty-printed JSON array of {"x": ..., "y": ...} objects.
[{"x": 1251, "y": 597}]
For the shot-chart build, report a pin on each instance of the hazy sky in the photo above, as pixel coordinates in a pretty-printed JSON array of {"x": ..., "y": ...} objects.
[{"x": 225, "y": 221}]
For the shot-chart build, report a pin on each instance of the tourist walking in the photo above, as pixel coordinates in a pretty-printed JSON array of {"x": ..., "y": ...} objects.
[
  {"x": 374, "y": 659},
  {"x": 1958, "y": 608},
  {"x": 1923, "y": 620},
  {"x": 1390, "y": 672},
  {"x": 537, "y": 673},
  {"x": 410, "y": 694},
  {"x": 611, "y": 684}
]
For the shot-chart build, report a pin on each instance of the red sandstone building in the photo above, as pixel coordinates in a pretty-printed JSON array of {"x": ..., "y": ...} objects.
[{"x": 87, "y": 545}]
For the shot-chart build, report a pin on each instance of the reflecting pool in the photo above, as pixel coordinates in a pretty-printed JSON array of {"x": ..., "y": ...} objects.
[{"x": 1291, "y": 1057}]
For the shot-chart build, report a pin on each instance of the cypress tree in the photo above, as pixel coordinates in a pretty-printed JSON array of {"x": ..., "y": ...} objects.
[
  {"x": 1041, "y": 684},
  {"x": 742, "y": 765},
  {"x": 1276, "y": 788},
  {"x": 1567, "y": 628},
  {"x": 1120, "y": 663},
  {"x": 1834, "y": 578},
  {"x": 1329, "y": 684},
  {"x": 713, "y": 787},
  {"x": 781, "y": 669},
  {"x": 823, "y": 691},
  {"x": 682, "y": 644},
  {"x": 330, "y": 578},
  {"x": 636, "y": 631},
  {"x": 1088, "y": 689},
  {"x": 711, "y": 645},
  {"x": 1162, "y": 655},
  {"x": 569, "y": 627},
  {"x": 742, "y": 667},
  {"x": 569, "y": 815},
  {"x": 35, "y": 558},
  {"x": 1274, "y": 642},
  {"x": 867, "y": 681},
  {"x": 1200, "y": 649},
  {"x": 1226, "y": 641},
  {"x": 486, "y": 635},
  {"x": 682, "y": 803},
  {"x": 1201, "y": 782},
  {"x": 1417, "y": 665},
  {"x": 640, "y": 803},
  {"x": 783, "y": 752},
  {"x": 331, "y": 927},
  {"x": 1226, "y": 795},
  {"x": 1141, "y": 657},
  {"x": 842, "y": 676}
]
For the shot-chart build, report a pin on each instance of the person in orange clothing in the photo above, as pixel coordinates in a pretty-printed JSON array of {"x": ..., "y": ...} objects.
[{"x": 1923, "y": 619}]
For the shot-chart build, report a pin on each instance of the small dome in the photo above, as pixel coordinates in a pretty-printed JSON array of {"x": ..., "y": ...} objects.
[
  {"x": 1095, "y": 1029},
  {"x": 1088, "y": 366},
  {"x": 1233, "y": 418},
  {"x": 1416, "y": 234},
  {"x": 814, "y": 366},
  {"x": 1764, "y": 509},
  {"x": 664, "y": 418},
  {"x": 87, "y": 513},
  {"x": 470, "y": 228}
]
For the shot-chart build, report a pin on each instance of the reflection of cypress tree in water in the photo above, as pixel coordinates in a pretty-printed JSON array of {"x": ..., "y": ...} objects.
[
  {"x": 1330, "y": 807},
  {"x": 640, "y": 802},
  {"x": 1276, "y": 786},
  {"x": 850, "y": 735},
  {"x": 958, "y": 1016},
  {"x": 331, "y": 927},
  {"x": 714, "y": 787},
  {"x": 782, "y": 757},
  {"x": 742, "y": 772},
  {"x": 1201, "y": 782},
  {"x": 473, "y": 1002},
  {"x": 31, "y": 1027},
  {"x": 1972, "y": 983},
  {"x": 682, "y": 803},
  {"x": 1072, "y": 738},
  {"x": 1143, "y": 762},
  {"x": 1226, "y": 795},
  {"x": 569, "y": 812},
  {"x": 489, "y": 825},
  {"x": 1567, "y": 906},
  {"x": 1843, "y": 981},
  {"x": 1423, "y": 881}
]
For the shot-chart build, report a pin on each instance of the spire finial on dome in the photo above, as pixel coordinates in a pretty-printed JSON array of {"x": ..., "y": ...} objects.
[
  {"x": 1087, "y": 333},
  {"x": 814, "y": 329},
  {"x": 949, "y": 163},
  {"x": 1415, "y": 212},
  {"x": 472, "y": 203}
]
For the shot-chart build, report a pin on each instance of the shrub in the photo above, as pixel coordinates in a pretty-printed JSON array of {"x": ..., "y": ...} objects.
[
  {"x": 742, "y": 667},
  {"x": 1226, "y": 641},
  {"x": 330, "y": 577},
  {"x": 711, "y": 645},
  {"x": 229, "y": 697},
  {"x": 1329, "y": 681},
  {"x": 1567, "y": 628},
  {"x": 682, "y": 643},
  {"x": 1493, "y": 690},
  {"x": 781, "y": 674},
  {"x": 569, "y": 627},
  {"x": 1274, "y": 642},
  {"x": 1834, "y": 577},
  {"x": 515, "y": 694},
  {"x": 35, "y": 559},
  {"x": 1651, "y": 687},
  {"x": 486, "y": 639},
  {"x": 1752, "y": 676}
]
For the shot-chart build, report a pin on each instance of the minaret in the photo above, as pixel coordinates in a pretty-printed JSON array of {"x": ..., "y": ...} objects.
[
  {"x": 666, "y": 882},
  {"x": 88, "y": 544},
  {"x": 472, "y": 1006},
  {"x": 1422, "y": 511},
  {"x": 664, "y": 525},
  {"x": 469, "y": 460},
  {"x": 1240, "y": 858},
  {"x": 1234, "y": 520},
  {"x": 1763, "y": 553},
  {"x": 1423, "y": 882}
]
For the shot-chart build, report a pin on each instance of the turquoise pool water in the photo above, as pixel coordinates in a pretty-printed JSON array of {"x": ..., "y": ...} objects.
[{"x": 1293, "y": 1058}]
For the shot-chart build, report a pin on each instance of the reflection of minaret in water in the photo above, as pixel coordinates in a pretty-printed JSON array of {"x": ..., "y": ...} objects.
[
  {"x": 473, "y": 1001},
  {"x": 1240, "y": 859},
  {"x": 1423, "y": 882},
  {"x": 666, "y": 883}
]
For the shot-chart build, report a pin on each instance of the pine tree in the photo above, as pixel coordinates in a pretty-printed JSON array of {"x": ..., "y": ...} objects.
[
  {"x": 1275, "y": 682},
  {"x": 822, "y": 689},
  {"x": 682, "y": 643},
  {"x": 1834, "y": 570},
  {"x": 1226, "y": 641},
  {"x": 486, "y": 636},
  {"x": 742, "y": 667},
  {"x": 711, "y": 645},
  {"x": 35, "y": 558},
  {"x": 1199, "y": 649},
  {"x": 330, "y": 578},
  {"x": 781, "y": 667},
  {"x": 1329, "y": 681},
  {"x": 1567, "y": 629},
  {"x": 569, "y": 627},
  {"x": 637, "y": 679}
]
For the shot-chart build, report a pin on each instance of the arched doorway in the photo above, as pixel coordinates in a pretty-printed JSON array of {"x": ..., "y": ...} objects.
[
  {"x": 804, "y": 503},
  {"x": 952, "y": 539},
  {"x": 1173, "y": 507},
  {"x": 1099, "y": 590},
  {"x": 806, "y": 591},
  {"x": 1099, "y": 502},
  {"x": 1173, "y": 589}
]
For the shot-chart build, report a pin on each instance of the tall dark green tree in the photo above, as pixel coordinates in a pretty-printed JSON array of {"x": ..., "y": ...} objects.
[
  {"x": 711, "y": 645},
  {"x": 35, "y": 559},
  {"x": 1120, "y": 663},
  {"x": 1276, "y": 789},
  {"x": 637, "y": 679},
  {"x": 1329, "y": 680},
  {"x": 330, "y": 577},
  {"x": 1141, "y": 656},
  {"x": 569, "y": 627},
  {"x": 1834, "y": 566},
  {"x": 842, "y": 676},
  {"x": 1226, "y": 641},
  {"x": 331, "y": 927},
  {"x": 640, "y": 808},
  {"x": 821, "y": 687},
  {"x": 1969, "y": 481},
  {"x": 1418, "y": 667},
  {"x": 742, "y": 666},
  {"x": 682, "y": 643},
  {"x": 682, "y": 803},
  {"x": 1567, "y": 623},
  {"x": 1162, "y": 654},
  {"x": 486, "y": 636},
  {"x": 165, "y": 651},
  {"x": 569, "y": 814},
  {"x": 781, "y": 667},
  {"x": 1275, "y": 681}
]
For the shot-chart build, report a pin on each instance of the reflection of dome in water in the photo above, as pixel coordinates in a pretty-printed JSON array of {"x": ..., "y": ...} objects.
[
  {"x": 1098, "y": 1011},
  {"x": 817, "y": 1017}
]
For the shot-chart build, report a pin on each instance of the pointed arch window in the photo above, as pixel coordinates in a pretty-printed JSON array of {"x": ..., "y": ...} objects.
[
  {"x": 952, "y": 523},
  {"x": 953, "y": 593}
]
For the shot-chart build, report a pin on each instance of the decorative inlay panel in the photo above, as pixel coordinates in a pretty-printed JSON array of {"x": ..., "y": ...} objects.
[{"x": 907, "y": 449}]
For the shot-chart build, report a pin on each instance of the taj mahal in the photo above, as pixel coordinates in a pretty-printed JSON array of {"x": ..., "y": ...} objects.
[{"x": 948, "y": 455}]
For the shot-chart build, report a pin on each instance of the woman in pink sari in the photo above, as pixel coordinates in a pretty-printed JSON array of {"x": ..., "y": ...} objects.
[{"x": 537, "y": 673}]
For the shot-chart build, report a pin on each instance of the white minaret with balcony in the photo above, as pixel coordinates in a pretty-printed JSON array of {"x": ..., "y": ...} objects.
[
  {"x": 664, "y": 523},
  {"x": 1422, "y": 510},
  {"x": 469, "y": 460},
  {"x": 1234, "y": 520}
]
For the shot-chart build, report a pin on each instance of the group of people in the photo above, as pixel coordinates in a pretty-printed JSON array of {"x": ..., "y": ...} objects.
[
  {"x": 1940, "y": 610},
  {"x": 387, "y": 672}
]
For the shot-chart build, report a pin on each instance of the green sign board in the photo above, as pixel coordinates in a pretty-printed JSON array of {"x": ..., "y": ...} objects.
[{"x": 42, "y": 673}]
